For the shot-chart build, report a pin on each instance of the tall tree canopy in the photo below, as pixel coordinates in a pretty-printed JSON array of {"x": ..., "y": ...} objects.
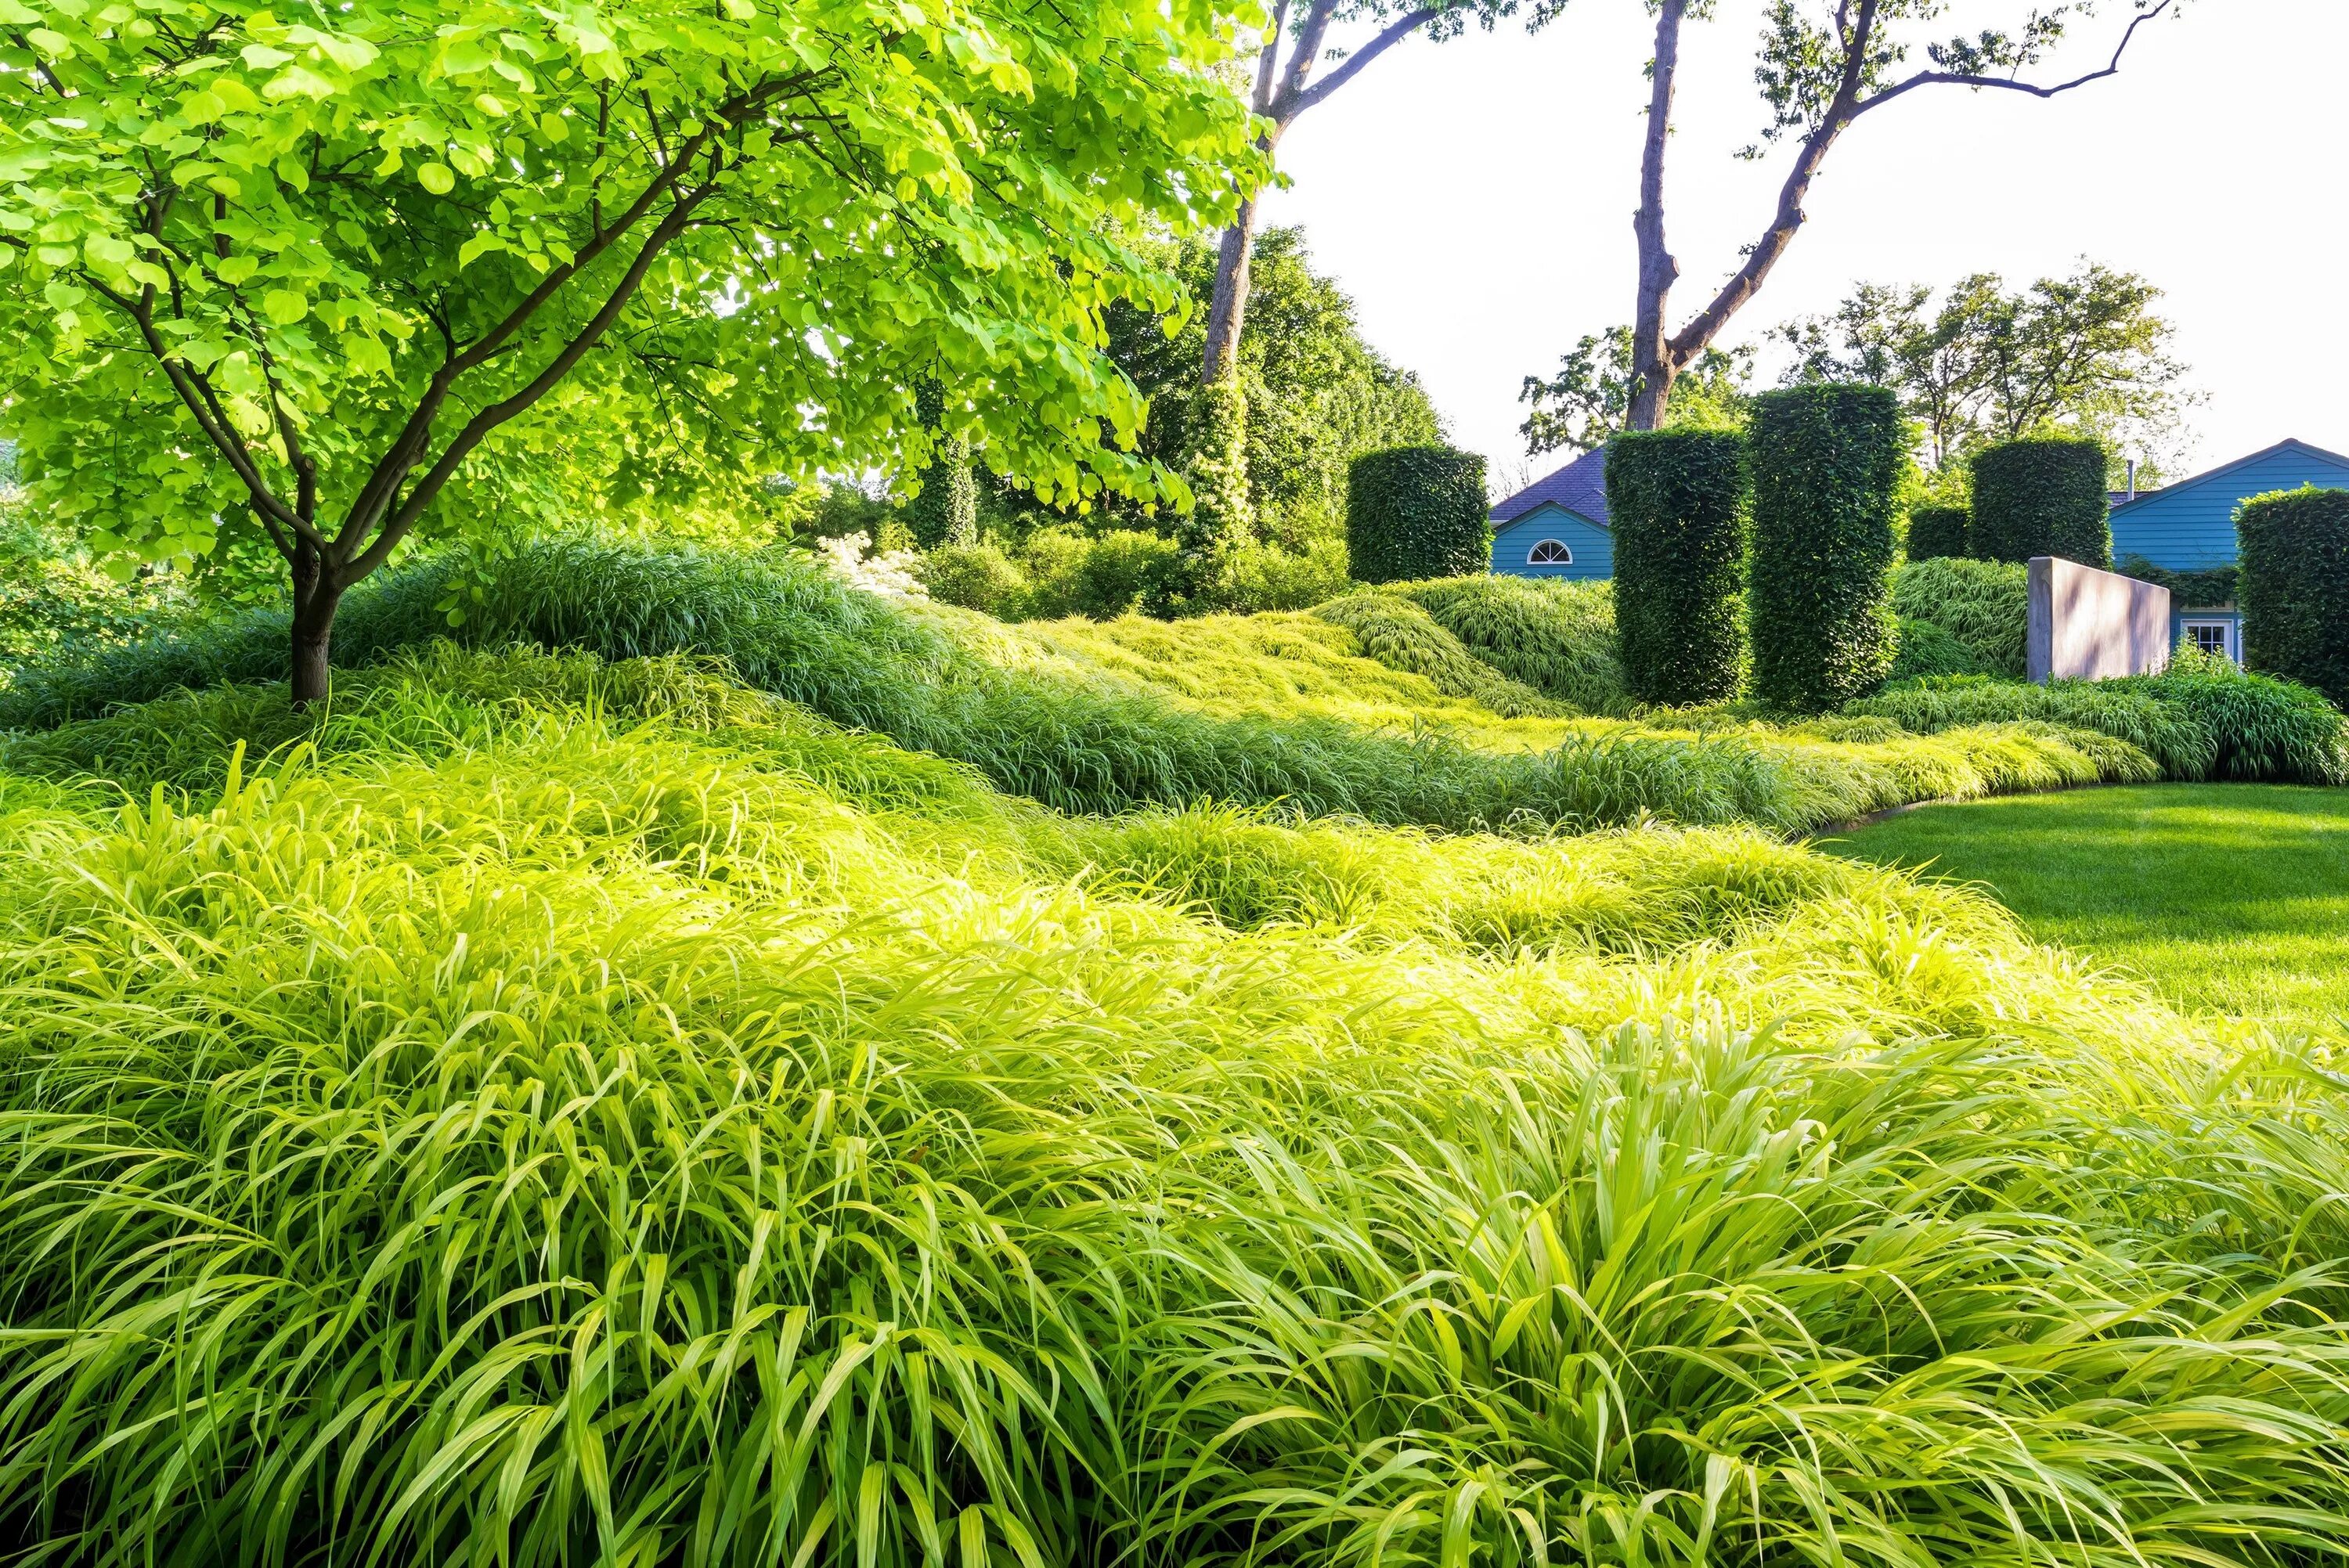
[
  {"x": 309, "y": 269},
  {"x": 1319, "y": 395},
  {"x": 1822, "y": 65},
  {"x": 1590, "y": 398},
  {"x": 2086, "y": 353}
]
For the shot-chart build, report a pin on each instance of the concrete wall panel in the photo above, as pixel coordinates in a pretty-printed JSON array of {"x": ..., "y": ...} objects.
[{"x": 2088, "y": 625}]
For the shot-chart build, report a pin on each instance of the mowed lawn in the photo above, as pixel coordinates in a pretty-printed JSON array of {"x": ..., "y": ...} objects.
[{"x": 2232, "y": 897}]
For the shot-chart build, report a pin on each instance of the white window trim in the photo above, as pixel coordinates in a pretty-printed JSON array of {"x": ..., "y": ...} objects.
[
  {"x": 1564, "y": 556},
  {"x": 2188, "y": 625}
]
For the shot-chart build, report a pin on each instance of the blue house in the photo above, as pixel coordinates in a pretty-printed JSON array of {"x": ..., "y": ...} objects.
[
  {"x": 2190, "y": 527},
  {"x": 1556, "y": 526}
]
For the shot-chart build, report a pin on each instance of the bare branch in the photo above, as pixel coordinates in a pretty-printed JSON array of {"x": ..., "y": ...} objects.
[
  {"x": 1961, "y": 78},
  {"x": 1394, "y": 32}
]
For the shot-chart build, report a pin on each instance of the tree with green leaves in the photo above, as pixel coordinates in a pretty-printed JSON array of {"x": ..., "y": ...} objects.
[
  {"x": 1822, "y": 64},
  {"x": 1588, "y": 401},
  {"x": 2085, "y": 354},
  {"x": 375, "y": 270}
]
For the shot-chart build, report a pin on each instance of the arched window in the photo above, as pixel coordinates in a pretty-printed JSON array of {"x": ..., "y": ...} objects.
[{"x": 1550, "y": 552}]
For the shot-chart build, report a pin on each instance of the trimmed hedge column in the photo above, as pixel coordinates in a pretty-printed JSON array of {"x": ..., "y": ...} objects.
[
  {"x": 1936, "y": 531},
  {"x": 1676, "y": 500},
  {"x": 2042, "y": 497},
  {"x": 2294, "y": 587},
  {"x": 1827, "y": 462},
  {"x": 1417, "y": 511}
]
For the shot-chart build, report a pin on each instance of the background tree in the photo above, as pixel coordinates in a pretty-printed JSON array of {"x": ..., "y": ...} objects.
[
  {"x": 2086, "y": 354},
  {"x": 1281, "y": 91},
  {"x": 1823, "y": 64},
  {"x": 309, "y": 271},
  {"x": 1319, "y": 395},
  {"x": 1590, "y": 400}
]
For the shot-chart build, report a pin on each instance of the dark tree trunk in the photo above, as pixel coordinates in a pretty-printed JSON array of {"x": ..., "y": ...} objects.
[{"x": 316, "y": 595}]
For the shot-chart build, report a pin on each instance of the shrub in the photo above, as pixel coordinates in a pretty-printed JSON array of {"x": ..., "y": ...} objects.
[
  {"x": 2202, "y": 588},
  {"x": 2295, "y": 561},
  {"x": 1554, "y": 635},
  {"x": 1677, "y": 502},
  {"x": 1928, "y": 650},
  {"x": 1937, "y": 532},
  {"x": 2043, "y": 496},
  {"x": 974, "y": 576},
  {"x": 1985, "y": 604},
  {"x": 1254, "y": 578},
  {"x": 1101, "y": 576},
  {"x": 1828, "y": 462},
  {"x": 1417, "y": 512}
]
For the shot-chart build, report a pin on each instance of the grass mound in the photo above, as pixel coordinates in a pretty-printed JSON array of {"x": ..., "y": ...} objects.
[
  {"x": 1556, "y": 637},
  {"x": 2202, "y": 718},
  {"x": 1102, "y": 718},
  {"x": 557, "y": 1112},
  {"x": 1985, "y": 606},
  {"x": 1401, "y": 636}
]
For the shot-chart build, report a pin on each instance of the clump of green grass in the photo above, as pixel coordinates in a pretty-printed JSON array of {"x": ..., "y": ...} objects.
[
  {"x": 1103, "y": 718},
  {"x": 510, "y": 1128},
  {"x": 1556, "y": 637},
  {"x": 1984, "y": 605},
  {"x": 2202, "y": 718},
  {"x": 1401, "y": 636}
]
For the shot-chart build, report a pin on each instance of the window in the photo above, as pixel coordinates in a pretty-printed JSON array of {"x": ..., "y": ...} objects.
[
  {"x": 1550, "y": 552},
  {"x": 2213, "y": 637}
]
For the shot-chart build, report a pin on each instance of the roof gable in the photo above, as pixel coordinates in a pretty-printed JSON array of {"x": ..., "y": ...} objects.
[
  {"x": 1581, "y": 488},
  {"x": 2226, "y": 470}
]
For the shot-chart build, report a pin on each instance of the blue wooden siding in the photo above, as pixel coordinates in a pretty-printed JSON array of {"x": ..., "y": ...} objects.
[
  {"x": 1593, "y": 546},
  {"x": 2192, "y": 524}
]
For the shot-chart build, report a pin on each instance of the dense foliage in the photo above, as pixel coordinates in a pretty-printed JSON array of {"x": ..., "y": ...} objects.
[
  {"x": 1983, "y": 605},
  {"x": 301, "y": 274},
  {"x": 1317, "y": 396},
  {"x": 1417, "y": 511},
  {"x": 2293, "y": 558},
  {"x": 1827, "y": 461},
  {"x": 2043, "y": 496},
  {"x": 1936, "y": 530},
  {"x": 663, "y": 1126},
  {"x": 1556, "y": 636},
  {"x": 2202, "y": 588},
  {"x": 1677, "y": 505},
  {"x": 1986, "y": 364},
  {"x": 1586, "y": 404}
]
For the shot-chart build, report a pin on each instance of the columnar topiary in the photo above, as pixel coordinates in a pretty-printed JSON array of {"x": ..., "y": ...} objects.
[
  {"x": 946, "y": 511},
  {"x": 1936, "y": 531},
  {"x": 1676, "y": 500},
  {"x": 2294, "y": 587},
  {"x": 1826, "y": 460},
  {"x": 1417, "y": 511},
  {"x": 2044, "y": 496}
]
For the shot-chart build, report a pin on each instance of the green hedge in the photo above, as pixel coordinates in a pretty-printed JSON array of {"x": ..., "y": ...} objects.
[
  {"x": 1937, "y": 532},
  {"x": 1826, "y": 461},
  {"x": 1676, "y": 500},
  {"x": 1416, "y": 512},
  {"x": 2044, "y": 496},
  {"x": 2294, "y": 581}
]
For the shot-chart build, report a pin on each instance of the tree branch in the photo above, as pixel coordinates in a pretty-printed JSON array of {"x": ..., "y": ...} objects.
[
  {"x": 1301, "y": 58},
  {"x": 1961, "y": 78},
  {"x": 479, "y": 426},
  {"x": 1394, "y": 32}
]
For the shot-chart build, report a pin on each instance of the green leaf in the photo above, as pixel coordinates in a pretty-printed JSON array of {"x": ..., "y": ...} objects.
[
  {"x": 284, "y": 306},
  {"x": 436, "y": 178}
]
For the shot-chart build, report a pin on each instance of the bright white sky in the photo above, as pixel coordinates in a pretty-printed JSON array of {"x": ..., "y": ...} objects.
[{"x": 1475, "y": 198}]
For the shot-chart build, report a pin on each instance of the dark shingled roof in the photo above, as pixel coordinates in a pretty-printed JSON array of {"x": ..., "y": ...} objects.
[{"x": 1581, "y": 487}]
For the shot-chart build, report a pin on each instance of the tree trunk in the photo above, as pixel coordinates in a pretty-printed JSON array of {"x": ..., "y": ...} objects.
[
  {"x": 1229, "y": 309},
  {"x": 1653, "y": 365},
  {"x": 315, "y": 597}
]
